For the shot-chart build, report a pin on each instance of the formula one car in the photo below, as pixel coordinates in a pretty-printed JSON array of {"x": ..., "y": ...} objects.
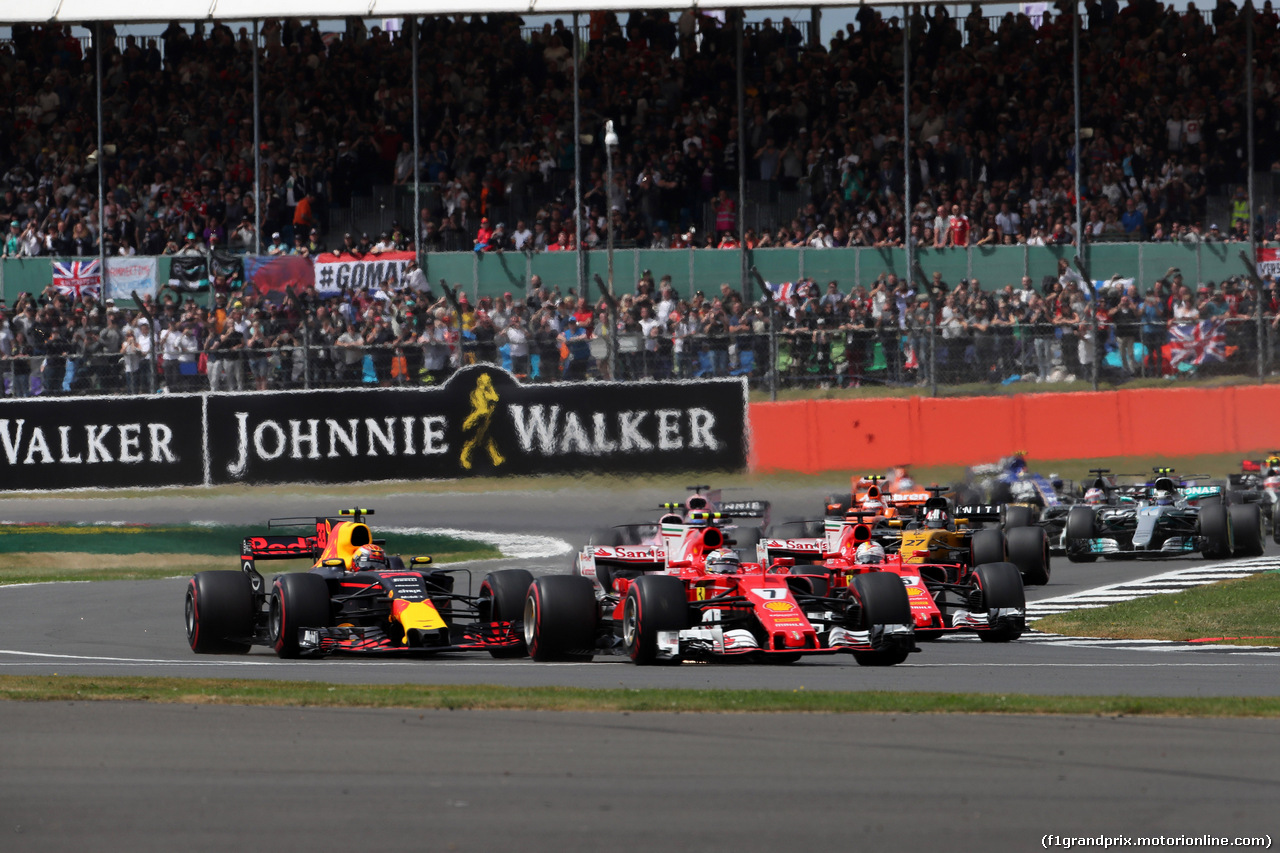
[
  {"x": 700, "y": 601},
  {"x": 943, "y": 533},
  {"x": 356, "y": 598},
  {"x": 1259, "y": 483},
  {"x": 898, "y": 493},
  {"x": 1164, "y": 517},
  {"x": 987, "y": 598}
]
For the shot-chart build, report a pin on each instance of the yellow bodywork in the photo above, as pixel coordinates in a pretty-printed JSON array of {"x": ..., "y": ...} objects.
[
  {"x": 416, "y": 614},
  {"x": 932, "y": 546}
]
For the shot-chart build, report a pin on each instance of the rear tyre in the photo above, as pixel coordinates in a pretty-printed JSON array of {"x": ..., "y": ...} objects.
[
  {"x": 998, "y": 586},
  {"x": 654, "y": 603},
  {"x": 1082, "y": 524},
  {"x": 884, "y": 601},
  {"x": 297, "y": 601},
  {"x": 560, "y": 616},
  {"x": 1029, "y": 551},
  {"x": 219, "y": 613},
  {"x": 1215, "y": 527},
  {"x": 1246, "y": 530},
  {"x": 987, "y": 546},
  {"x": 1017, "y": 516},
  {"x": 502, "y": 595}
]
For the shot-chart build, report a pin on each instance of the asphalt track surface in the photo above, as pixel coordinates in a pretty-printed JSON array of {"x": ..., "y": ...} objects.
[{"x": 126, "y": 776}]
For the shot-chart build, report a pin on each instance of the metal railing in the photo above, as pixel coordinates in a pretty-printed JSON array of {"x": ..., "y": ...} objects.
[{"x": 865, "y": 355}]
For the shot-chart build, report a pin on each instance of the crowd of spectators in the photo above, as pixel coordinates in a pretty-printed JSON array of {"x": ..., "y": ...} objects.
[
  {"x": 991, "y": 130},
  {"x": 884, "y": 332}
]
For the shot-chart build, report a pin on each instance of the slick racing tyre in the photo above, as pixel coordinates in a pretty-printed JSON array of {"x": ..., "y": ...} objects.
[
  {"x": 502, "y": 595},
  {"x": 987, "y": 546},
  {"x": 1029, "y": 551},
  {"x": 1215, "y": 527},
  {"x": 297, "y": 601},
  {"x": 998, "y": 586},
  {"x": 1013, "y": 517},
  {"x": 883, "y": 601},
  {"x": 219, "y": 613},
  {"x": 1246, "y": 530},
  {"x": 1082, "y": 524},
  {"x": 654, "y": 603},
  {"x": 560, "y": 618}
]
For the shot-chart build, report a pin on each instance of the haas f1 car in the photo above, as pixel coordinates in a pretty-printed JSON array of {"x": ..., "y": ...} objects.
[
  {"x": 977, "y": 590},
  {"x": 693, "y": 598},
  {"x": 356, "y": 599},
  {"x": 1166, "y": 517},
  {"x": 1259, "y": 483}
]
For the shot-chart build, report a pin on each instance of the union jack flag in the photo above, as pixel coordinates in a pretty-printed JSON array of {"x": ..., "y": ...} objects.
[
  {"x": 1196, "y": 343},
  {"x": 78, "y": 279},
  {"x": 782, "y": 292}
]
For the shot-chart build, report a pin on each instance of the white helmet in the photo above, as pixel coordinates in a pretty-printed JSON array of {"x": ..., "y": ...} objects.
[
  {"x": 870, "y": 552},
  {"x": 723, "y": 562},
  {"x": 1163, "y": 497},
  {"x": 872, "y": 505},
  {"x": 936, "y": 519},
  {"x": 1095, "y": 496}
]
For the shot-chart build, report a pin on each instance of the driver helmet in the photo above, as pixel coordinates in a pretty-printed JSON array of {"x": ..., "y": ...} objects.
[
  {"x": 869, "y": 552},
  {"x": 936, "y": 519},
  {"x": 1164, "y": 497},
  {"x": 1095, "y": 496},
  {"x": 368, "y": 558},
  {"x": 904, "y": 483},
  {"x": 1273, "y": 465},
  {"x": 723, "y": 562},
  {"x": 873, "y": 505}
]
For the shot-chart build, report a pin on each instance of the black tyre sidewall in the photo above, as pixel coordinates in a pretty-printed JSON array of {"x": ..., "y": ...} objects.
[
  {"x": 1215, "y": 527},
  {"x": 1029, "y": 551},
  {"x": 987, "y": 546},
  {"x": 222, "y": 616},
  {"x": 660, "y": 604},
  {"x": 303, "y": 602},
  {"x": 1246, "y": 530},
  {"x": 564, "y": 617}
]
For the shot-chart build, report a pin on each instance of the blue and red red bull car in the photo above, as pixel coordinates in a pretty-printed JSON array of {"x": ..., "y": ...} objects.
[{"x": 355, "y": 598}]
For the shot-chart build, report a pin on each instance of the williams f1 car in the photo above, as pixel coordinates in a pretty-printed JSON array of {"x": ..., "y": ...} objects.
[
  {"x": 1165, "y": 517},
  {"x": 355, "y": 598},
  {"x": 697, "y": 600}
]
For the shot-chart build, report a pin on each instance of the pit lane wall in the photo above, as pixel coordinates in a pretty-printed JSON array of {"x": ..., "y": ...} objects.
[
  {"x": 482, "y": 422},
  {"x": 810, "y": 436}
]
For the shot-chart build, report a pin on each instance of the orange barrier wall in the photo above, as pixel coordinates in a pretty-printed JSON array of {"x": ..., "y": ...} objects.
[{"x": 826, "y": 435}]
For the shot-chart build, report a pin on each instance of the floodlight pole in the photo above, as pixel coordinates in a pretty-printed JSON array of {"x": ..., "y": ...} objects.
[
  {"x": 1253, "y": 241},
  {"x": 102, "y": 203},
  {"x": 610, "y": 143},
  {"x": 257, "y": 151},
  {"x": 417, "y": 161},
  {"x": 577, "y": 165}
]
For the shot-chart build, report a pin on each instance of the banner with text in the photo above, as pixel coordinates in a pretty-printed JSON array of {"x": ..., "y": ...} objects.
[
  {"x": 115, "y": 442},
  {"x": 125, "y": 276},
  {"x": 481, "y": 422},
  {"x": 338, "y": 272}
]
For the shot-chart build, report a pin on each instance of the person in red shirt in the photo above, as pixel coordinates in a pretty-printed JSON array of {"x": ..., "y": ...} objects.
[
  {"x": 483, "y": 235},
  {"x": 957, "y": 227}
]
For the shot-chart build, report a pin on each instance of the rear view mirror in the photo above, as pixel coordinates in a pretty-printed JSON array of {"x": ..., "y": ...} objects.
[
  {"x": 333, "y": 563},
  {"x": 420, "y": 561}
]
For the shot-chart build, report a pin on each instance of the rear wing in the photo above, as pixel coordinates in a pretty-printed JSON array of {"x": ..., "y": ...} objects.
[
  {"x": 280, "y": 548},
  {"x": 978, "y": 512}
]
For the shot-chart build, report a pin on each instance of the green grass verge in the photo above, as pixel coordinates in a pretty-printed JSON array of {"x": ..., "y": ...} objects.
[
  {"x": 1246, "y": 611},
  {"x": 492, "y": 698},
  {"x": 61, "y": 552}
]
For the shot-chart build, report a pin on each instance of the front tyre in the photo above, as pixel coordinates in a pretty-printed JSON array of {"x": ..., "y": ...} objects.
[
  {"x": 1215, "y": 529},
  {"x": 560, "y": 618},
  {"x": 219, "y": 613},
  {"x": 501, "y": 599},
  {"x": 1246, "y": 530},
  {"x": 1081, "y": 530},
  {"x": 883, "y": 603},
  {"x": 654, "y": 603},
  {"x": 998, "y": 586},
  {"x": 297, "y": 601}
]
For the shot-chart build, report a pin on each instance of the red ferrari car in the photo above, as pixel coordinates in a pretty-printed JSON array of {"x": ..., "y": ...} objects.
[
  {"x": 693, "y": 598},
  {"x": 987, "y": 598}
]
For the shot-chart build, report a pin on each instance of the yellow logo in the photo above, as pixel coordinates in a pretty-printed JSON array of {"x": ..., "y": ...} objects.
[
  {"x": 483, "y": 404},
  {"x": 778, "y": 606}
]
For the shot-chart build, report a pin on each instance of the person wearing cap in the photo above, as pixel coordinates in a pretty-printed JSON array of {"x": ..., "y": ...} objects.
[
  {"x": 483, "y": 236},
  {"x": 313, "y": 243},
  {"x": 575, "y": 350},
  {"x": 384, "y": 244},
  {"x": 277, "y": 246},
  {"x": 12, "y": 241}
]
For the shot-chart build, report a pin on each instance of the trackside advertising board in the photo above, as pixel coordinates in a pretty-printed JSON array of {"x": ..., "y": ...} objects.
[
  {"x": 482, "y": 422},
  {"x": 104, "y": 442}
]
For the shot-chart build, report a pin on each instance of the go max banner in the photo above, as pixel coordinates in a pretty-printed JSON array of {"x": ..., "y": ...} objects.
[
  {"x": 103, "y": 442},
  {"x": 481, "y": 422}
]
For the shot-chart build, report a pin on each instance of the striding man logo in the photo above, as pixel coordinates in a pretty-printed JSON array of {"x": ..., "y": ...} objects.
[{"x": 484, "y": 401}]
